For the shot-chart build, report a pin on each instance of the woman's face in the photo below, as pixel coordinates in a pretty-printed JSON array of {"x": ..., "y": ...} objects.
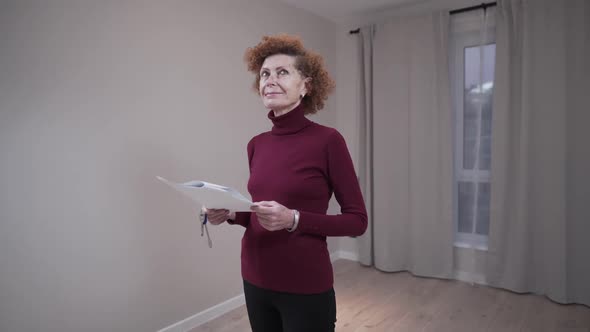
[{"x": 281, "y": 85}]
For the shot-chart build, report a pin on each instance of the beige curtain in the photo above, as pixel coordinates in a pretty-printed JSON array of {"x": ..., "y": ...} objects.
[
  {"x": 411, "y": 131},
  {"x": 365, "y": 56},
  {"x": 540, "y": 219}
]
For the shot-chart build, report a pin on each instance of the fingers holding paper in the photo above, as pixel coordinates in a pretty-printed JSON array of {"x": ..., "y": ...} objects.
[
  {"x": 273, "y": 216},
  {"x": 218, "y": 216}
]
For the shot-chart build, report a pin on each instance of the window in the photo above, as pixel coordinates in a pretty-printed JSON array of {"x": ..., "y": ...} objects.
[{"x": 472, "y": 57}]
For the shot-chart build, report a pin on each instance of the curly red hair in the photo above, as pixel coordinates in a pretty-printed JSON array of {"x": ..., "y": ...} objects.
[{"x": 308, "y": 63}]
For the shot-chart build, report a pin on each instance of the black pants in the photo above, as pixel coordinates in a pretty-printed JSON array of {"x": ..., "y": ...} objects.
[{"x": 271, "y": 311}]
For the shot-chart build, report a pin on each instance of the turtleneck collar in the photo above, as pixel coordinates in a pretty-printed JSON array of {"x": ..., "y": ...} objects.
[{"x": 289, "y": 123}]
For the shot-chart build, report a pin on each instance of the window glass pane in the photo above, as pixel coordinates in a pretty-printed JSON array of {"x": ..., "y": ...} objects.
[
  {"x": 483, "y": 209},
  {"x": 466, "y": 199},
  {"x": 465, "y": 207},
  {"x": 478, "y": 95}
]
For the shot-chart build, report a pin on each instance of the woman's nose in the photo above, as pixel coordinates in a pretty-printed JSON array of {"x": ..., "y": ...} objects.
[{"x": 272, "y": 78}]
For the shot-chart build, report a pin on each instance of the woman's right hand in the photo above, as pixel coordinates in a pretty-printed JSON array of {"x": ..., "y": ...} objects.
[{"x": 218, "y": 216}]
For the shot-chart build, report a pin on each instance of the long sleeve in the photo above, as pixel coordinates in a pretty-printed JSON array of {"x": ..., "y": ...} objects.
[
  {"x": 242, "y": 218},
  {"x": 353, "y": 218}
]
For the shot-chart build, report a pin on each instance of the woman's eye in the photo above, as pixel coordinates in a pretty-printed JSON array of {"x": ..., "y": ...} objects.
[
  {"x": 283, "y": 72},
  {"x": 264, "y": 74}
]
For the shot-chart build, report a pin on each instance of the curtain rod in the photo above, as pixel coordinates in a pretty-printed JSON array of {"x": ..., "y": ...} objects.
[{"x": 483, "y": 6}]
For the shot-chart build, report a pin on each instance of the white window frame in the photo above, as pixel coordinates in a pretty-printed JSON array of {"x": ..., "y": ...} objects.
[{"x": 465, "y": 32}]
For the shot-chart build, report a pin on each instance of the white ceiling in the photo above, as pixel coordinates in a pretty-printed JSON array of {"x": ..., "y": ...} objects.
[{"x": 339, "y": 10}]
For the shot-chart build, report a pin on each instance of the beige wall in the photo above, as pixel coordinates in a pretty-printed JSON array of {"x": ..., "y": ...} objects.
[
  {"x": 96, "y": 99},
  {"x": 347, "y": 104}
]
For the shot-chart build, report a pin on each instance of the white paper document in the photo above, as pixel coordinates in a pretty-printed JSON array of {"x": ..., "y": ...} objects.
[{"x": 212, "y": 196}]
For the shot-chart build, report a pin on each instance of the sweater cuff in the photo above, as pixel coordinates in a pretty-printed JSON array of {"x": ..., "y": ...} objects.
[
  {"x": 304, "y": 226},
  {"x": 242, "y": 218}
]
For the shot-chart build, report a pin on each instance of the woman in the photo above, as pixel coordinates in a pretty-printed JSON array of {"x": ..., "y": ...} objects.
[{"x": 294, "y": 169}]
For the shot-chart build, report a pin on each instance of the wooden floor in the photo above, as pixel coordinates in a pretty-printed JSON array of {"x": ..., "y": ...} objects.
[{"x": 369, "y": 300}]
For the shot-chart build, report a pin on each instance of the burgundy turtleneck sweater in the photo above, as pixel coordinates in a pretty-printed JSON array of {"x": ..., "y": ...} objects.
[{"x": 299, "y": 164}]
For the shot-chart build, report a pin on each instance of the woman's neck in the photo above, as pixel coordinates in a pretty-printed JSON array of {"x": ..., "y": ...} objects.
[{"x": 286, "y": 109}]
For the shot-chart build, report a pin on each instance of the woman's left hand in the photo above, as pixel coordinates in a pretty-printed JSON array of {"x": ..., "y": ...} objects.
[{"x": 273, "y": 216}]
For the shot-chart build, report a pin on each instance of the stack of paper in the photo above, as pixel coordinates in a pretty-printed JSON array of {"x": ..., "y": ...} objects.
[{"x": 212, "y": 196}]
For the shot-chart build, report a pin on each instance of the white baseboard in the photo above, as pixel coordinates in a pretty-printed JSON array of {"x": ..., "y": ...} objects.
[
  {"x": 206, "y": 315},
  {"x": 340, "y": 254},
  {"x": 470, "y": 277}
]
